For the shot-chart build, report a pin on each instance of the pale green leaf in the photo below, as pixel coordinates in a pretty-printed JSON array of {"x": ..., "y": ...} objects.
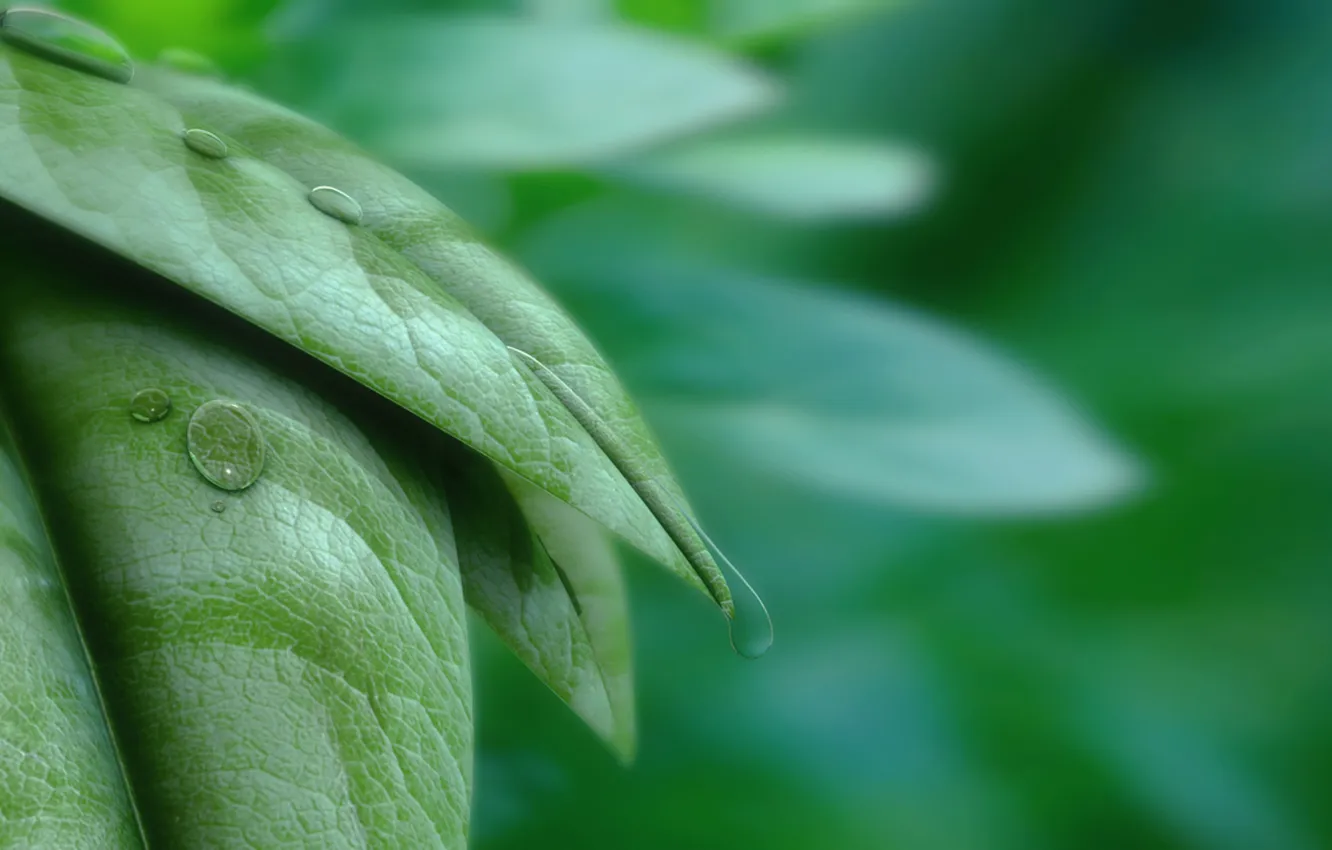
[
  {"x": 798, "y": 177},
  {"x": 846, "y": 394},
  {"x": 516, "y": 94}
]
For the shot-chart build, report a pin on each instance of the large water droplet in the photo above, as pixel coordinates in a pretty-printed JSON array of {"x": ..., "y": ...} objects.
[
  {"x": 150, "y": 405},
  {"x": 205, "y": 143},
  {"x": 226, "y": 445},
  {"x": 188, "y": 62},
  {"x": 749, "y": 622},
  {"x": 66, "y": 40},
  {"x": 336, "y": 203}
]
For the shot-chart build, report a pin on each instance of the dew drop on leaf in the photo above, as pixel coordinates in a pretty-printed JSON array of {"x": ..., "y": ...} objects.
[
  {"x": 188, "y": 62},
  {"x": 226, "y": 445},
  {"x": 747, "y": 617},
  {"x": 749, "y": 622},
  {"x": 66, "y": 40},
  {"x": 219, "y": 506},
  {"x": 336, "y": 203},
  {"x": 150, "y": 405},
  {"x": 205, "y": 143}
]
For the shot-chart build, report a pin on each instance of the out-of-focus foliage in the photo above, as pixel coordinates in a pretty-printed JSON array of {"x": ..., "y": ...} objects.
[{"x": 1134, "y": 200}]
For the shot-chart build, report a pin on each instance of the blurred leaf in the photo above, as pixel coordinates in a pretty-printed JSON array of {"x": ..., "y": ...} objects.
[
  {"x": 508, "y": 93},
  {"x": 525, "y": 591},
  {"x": 843, "y": 393},
  {"x": 800, "y": 177},
  {"x": 1192, "y": 777}
]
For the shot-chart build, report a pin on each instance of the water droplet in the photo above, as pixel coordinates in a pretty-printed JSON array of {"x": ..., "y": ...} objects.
[
  {"x": 66, "y": 40},
  {"x": 226, "y": 445},
  {"x": 204, "y": 143},
  {"x": 336, "y": 204},
  {"x": 150, "y": 405},
  {"x": 219, "y": 506},
  {"x": 188, "y": 62},
  {"x": 749, "y": 622},
  {"x": 747, "y": 617}
]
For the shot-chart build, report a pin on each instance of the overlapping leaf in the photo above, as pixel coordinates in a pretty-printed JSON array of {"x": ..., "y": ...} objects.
[
  {"x": 107, "y": 162},
  {"x": 506, "y": 93},
  {"x": 296, "y": 647},
  {"x": 60, "y": 776},
  {"x": 547, "y": 582}
]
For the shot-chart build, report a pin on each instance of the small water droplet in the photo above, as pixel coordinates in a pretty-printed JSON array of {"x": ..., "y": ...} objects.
[
  {"x": 336, "y": 204},
  {"x": 66, "y": 40},
  {"x": 226, "y": 445},
  {"x": 204, "y": 143},
  {"x": 150, "y": 405},
  {"x": 188, "y": 62},
  {"x": 219, "y": 506}
]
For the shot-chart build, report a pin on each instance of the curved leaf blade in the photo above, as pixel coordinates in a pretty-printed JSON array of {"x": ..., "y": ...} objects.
[
  {"x": 577, "y": 643},
  {"x": 60, "y": 778},
  {"x": 301, "y": 649},
  {"x": 106, "y": 161},
  {"x": 590, "y": 566}
]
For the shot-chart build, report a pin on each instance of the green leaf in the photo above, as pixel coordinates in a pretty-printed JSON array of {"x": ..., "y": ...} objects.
[
  {"x": 283, "y": 664},
  {"x": 588, "y": 563},
  {"x": 846, "y": 394},
  {"x": 107, "y": 161},
  {"x": 799, "y": 177},
  {"x": 60, "y": 779},
  {"x": 548, "y": 583},
  {"x": 435, "y": 240},
  {"x": 515, "y": 94}
]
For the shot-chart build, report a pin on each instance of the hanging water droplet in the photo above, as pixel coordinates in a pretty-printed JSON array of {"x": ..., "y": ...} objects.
[
  {"x": 749, "y": 622},
  {"x": 336, "y": 204},
  {"x": 204, "y": 143},
  {"x": 66, "y": 40},
  {"x": 150, "y": 405},
  {"x": 226, "y": 445},
  {"x": 219, "y": 506},
  {"x": 188, "y": 62}
]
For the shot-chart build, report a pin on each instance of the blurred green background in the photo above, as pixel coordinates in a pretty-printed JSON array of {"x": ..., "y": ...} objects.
[{"x": 993, "y": 338}]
